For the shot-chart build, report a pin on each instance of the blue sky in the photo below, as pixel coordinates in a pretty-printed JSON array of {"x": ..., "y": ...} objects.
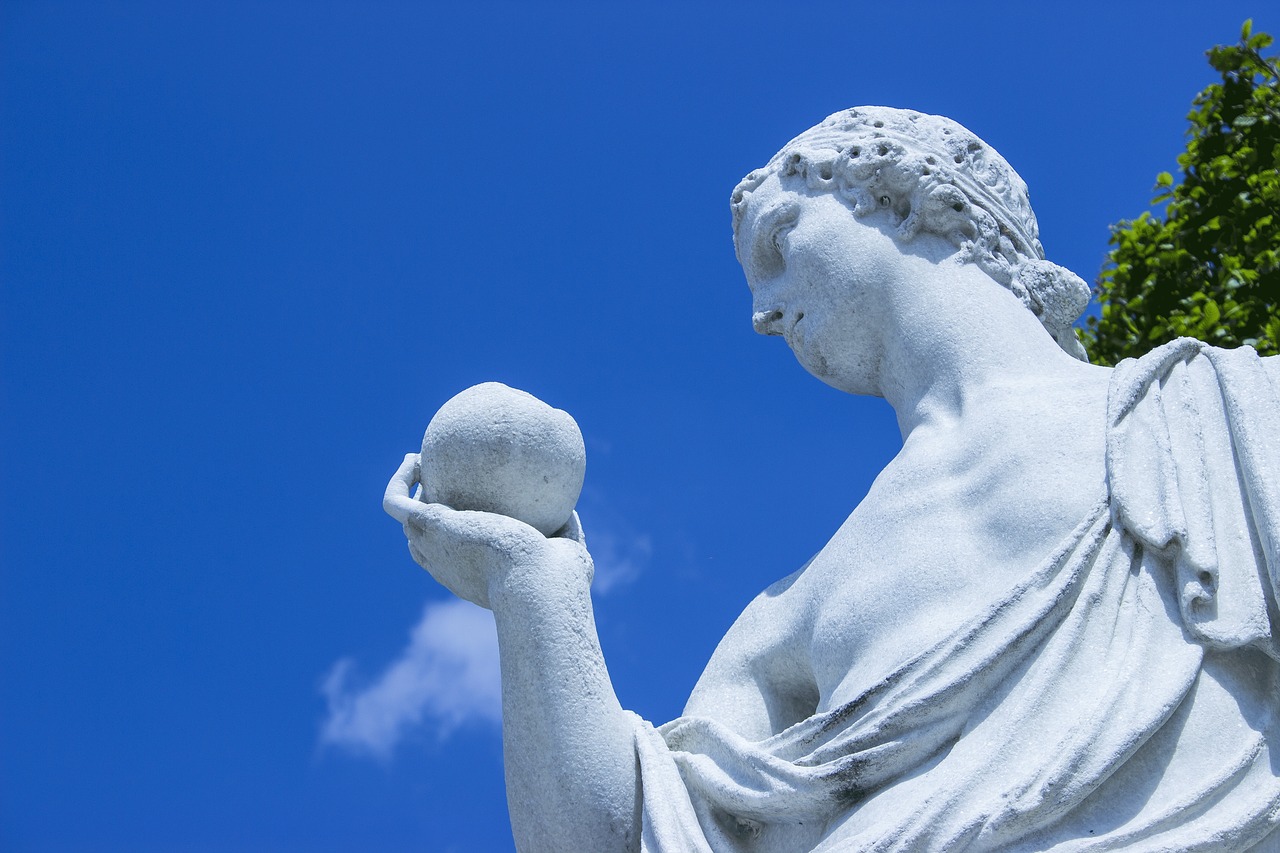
[{"x": 247, "y": 249}]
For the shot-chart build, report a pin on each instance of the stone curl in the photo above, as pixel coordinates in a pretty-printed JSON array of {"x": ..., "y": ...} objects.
[{"x": 935, "y": 176}]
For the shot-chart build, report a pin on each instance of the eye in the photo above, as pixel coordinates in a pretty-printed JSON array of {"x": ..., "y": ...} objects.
[
  {"x": 763, "y": 236},
  {"x": 771, "y": 248}
]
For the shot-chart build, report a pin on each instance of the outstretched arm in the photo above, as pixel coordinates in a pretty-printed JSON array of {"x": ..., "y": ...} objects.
[{"x": 568, "y": 745}]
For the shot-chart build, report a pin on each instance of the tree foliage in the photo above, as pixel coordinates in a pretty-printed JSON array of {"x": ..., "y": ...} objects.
[{"x": 1210, "y": 269}]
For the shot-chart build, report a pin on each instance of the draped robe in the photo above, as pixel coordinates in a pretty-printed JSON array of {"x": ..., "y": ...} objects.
[{"x": 1124, "y": 695}]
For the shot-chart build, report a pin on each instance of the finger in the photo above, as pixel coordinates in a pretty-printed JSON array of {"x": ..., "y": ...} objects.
[
  {"x": 464, "y": 550},
  {"x": 465, "y": 527},
  {"x": 573, "y": 530},
  {"x": 401, "y": 507},
  {"x": 396, "y": 500}
]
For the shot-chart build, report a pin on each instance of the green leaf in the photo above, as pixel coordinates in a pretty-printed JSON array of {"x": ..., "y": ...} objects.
[
  {"x": 1206, "y": 259},
  {"x": 1211, "y": 313}
]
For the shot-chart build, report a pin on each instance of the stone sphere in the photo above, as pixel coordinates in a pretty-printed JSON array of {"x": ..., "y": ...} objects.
[{"x": 496, "y": 449}]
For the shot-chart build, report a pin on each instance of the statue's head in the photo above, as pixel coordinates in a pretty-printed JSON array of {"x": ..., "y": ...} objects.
[{"x": 934, "y": 176}]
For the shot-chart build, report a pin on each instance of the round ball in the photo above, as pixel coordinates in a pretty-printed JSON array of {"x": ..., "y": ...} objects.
[{"x": 496, "y": 449}]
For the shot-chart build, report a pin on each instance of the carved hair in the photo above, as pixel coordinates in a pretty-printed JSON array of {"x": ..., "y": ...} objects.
[{"x": 937, "y": 177}]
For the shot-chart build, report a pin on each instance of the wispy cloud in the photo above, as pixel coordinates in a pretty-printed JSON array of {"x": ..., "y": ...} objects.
[
  {"x": 620, "y": 551},
  {"x": 446, "y": 676},
  {"x": 619, "y": 558}
]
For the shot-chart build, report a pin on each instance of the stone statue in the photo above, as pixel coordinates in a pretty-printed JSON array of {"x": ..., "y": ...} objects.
[{"x": 1051, "y": 623}]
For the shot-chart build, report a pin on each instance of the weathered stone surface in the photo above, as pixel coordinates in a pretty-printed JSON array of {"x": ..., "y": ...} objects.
[
  {"x": 1051, "y": 624},
  {"x": 496, "y": 449}
]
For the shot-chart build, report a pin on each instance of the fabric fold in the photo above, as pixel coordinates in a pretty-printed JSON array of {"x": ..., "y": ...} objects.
[{"x": 1032, "y": 726}]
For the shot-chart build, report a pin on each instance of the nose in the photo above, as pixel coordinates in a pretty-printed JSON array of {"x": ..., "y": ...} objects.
[{"x": 766, "y": 322}]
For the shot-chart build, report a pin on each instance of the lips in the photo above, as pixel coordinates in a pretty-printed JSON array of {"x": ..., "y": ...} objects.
[{"x": 792, "y": 335}]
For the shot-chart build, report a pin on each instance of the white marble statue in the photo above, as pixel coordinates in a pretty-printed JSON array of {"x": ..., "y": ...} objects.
[{"x": 1050, "y": 625}]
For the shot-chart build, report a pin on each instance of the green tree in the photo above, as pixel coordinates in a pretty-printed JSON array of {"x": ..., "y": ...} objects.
[{"x": 1210, "y": 268}]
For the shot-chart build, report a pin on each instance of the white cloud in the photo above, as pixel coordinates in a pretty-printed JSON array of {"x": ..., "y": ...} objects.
[
  {"x": 447, "y": 675},
  {"x": 620, "y": 552},
  {"x": 618, "y": 559}
]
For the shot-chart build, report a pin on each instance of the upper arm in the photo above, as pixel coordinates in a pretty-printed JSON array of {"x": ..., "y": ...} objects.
[{"x": 760, "y": 679}]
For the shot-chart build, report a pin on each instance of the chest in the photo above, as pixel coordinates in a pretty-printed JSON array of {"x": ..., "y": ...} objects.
[
  {"x": 936, "y": 543},
  {"x": 946, "y": 530}
]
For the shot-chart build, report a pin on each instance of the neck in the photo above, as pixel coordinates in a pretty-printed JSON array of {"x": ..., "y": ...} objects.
[{"x": 939, "y": 365}]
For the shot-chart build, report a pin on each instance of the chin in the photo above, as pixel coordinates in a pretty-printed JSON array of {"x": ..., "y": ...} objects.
[
  {"x": 859, "y": 389},
  {"x": 848, "y": 381}
]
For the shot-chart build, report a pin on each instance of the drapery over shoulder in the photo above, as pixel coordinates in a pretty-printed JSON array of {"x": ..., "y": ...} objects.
[
  {"x": 1192, "y": 460},
  {"x": 1125, "y": 695}
]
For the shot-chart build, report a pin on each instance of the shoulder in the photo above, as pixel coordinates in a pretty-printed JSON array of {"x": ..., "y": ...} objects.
[{"x": 759, "y": 679}]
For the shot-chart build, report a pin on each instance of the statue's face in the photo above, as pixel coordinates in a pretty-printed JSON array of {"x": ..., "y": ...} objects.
[{"x": 822, "y": 279}]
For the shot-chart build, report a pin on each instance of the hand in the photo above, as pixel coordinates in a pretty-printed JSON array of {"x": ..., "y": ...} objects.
[{"x": 469, "y": 552}]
